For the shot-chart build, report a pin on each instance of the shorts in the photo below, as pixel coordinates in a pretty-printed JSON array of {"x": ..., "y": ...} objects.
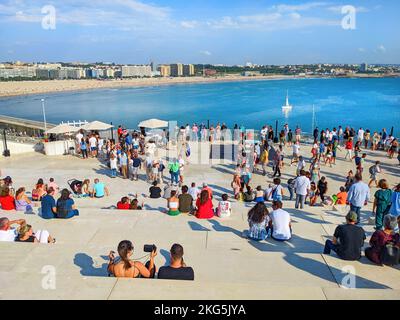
[
  {"x": 135, "y": 170},
  {"x": 93, "y": 148}
]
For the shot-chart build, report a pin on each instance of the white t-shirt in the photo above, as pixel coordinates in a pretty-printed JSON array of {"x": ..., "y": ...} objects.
[
  {"x": 224, "y": 209},
  {"x": 194, "y": 192},
  {"x": 79, "y": 137},
  {"x": 360, "y": 134},
  {"x": 8, "y": 235},
  {"x": 296, "y": 149},
  {"x": 301, "y": 185},
  {"x": 268, "y": 194},
  {"x": 301, "y": 165},
  {"x": 113, "y": 163},
  {"x": 280, "y": 223},
  {"x": 93, "y": 142}
]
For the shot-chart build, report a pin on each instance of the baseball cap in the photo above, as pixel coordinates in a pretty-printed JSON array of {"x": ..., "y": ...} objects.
[{"x": 351, "y": 216}]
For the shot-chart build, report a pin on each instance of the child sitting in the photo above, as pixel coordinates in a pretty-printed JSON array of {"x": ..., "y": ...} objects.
[{"x": 224, "y": 208}]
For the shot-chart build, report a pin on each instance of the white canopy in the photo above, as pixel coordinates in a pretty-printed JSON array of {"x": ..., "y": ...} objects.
[
  {"x": 62, "y": 128},
  {"x": 97, "y": 126},
  {"x": 153, "y": 123}
]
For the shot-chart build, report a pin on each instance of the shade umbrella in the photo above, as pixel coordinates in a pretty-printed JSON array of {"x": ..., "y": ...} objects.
[
  {"x": 61, "y": 129},
  {"x": 153, "y": 124},
  {"x": 96, "y": 126}
]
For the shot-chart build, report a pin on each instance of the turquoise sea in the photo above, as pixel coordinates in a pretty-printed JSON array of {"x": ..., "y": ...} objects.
[{"x": 370, "y": 103}]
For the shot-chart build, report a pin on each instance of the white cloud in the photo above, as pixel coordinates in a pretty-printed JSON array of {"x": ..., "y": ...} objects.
[
  {"x": 338, "y": 9},
  {"x": 295, "y": 15},
  {"x": 381, "y": 48},
  {"x": 271, "y": 21},
  {"x": 189, "y": 24},
  {"x": 206, "y": 53},
  {"x": 299, "y": 7},
  {"x": 361, "y": 50}
]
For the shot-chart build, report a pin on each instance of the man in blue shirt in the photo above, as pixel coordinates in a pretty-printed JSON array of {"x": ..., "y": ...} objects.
[
  {"x": 48, "y": 205},
  {"x": 358, "y": 196},
  {"x": 99, "y": 189}
]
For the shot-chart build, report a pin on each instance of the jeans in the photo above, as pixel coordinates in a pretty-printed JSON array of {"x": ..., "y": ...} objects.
[
  {"x": 357, "y": 211},
  {"x": 175, "y": 177},
  {"x": 113, "y": 173},
  {"x": 290, "y": 193},
  {"x": 300, "y": 199},
  {"x": 71, "y": 214},
  {"x": 329, "y": 246}
]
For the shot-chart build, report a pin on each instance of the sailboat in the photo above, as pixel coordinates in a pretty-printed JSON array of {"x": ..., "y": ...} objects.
[{"x": 287, "y": 106}]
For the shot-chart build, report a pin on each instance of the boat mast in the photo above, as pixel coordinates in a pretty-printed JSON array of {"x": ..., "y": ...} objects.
[
  {"x": 287, "y": 98},
  {"x": 313, "y": 119}
]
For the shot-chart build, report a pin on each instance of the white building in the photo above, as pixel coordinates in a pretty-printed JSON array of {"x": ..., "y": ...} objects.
[{"x": 136, "y": 71}]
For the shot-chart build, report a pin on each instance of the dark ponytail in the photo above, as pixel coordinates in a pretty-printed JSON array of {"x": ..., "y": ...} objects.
[{"x": 123, "y": 248}]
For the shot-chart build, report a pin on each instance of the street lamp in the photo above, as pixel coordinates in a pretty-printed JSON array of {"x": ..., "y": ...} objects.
[{"x": 44, "y": 116}]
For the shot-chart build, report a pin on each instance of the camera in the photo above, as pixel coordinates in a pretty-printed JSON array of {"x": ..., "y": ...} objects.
[{"x": 149, "y": 248}]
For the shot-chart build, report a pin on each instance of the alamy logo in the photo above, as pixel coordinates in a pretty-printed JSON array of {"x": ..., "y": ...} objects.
[
  {"x": 49, "y": 20},
  {"x": 349, "y": 280},
  {"x": 349, "y": 20},
  {"x": 49, "y": 280}
]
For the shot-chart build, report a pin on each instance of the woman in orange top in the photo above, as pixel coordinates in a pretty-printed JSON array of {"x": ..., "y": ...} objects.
[
  {"x": 341, "y": 196},
  {"x": 204, "y": 206}
]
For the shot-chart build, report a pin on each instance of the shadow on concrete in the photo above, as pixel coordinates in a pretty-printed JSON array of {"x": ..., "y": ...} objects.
[
  {"x": 85, "y": 262},
  {"x": 335, "y": 275},
  {"x": 167, "y": 257},
  {"x": 195, "y": 226},
  {"x": 301, "y": 214}
]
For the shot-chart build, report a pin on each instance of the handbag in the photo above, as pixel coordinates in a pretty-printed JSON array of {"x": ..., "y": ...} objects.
[{"x": 390, "y": 254}]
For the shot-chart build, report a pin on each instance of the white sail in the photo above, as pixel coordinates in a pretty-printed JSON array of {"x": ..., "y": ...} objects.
[{"x": 287, "y": 105}]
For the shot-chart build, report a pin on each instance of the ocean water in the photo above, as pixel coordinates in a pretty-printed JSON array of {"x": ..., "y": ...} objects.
[{"x": 367, "y": 103}]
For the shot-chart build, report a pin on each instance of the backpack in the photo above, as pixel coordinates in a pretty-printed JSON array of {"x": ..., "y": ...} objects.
[
  {"x": 390, "y": 254},
  {"x": 372, "y": 170},
  {"x": 358, "y": 161}
]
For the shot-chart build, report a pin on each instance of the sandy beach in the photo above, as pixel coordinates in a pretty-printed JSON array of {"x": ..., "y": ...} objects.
[{"x": 17, "y": 88}]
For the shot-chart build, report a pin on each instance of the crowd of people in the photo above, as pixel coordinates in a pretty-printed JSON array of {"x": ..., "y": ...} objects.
[{"x": 130, "y": 153}]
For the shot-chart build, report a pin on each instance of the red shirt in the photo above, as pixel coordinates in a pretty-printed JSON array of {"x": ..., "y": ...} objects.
[
  {"x": 204, "y": 211},
  {"x": 123, "y": 206},
  {"x": 349, "y": 145},
  {"x": 7, "y": 203}
]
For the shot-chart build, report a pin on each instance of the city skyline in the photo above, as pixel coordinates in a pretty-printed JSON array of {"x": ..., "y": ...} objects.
[{"x": 231, "y": 33}]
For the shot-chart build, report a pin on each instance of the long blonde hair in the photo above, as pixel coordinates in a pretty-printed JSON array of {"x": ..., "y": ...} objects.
[{"x": 23, "y": 229}]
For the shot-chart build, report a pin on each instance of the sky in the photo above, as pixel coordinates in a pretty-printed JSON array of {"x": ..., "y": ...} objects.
[{"x": 200, "y": 31}]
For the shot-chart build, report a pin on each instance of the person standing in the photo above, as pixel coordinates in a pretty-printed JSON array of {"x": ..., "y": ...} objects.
[
  {"x": 123, "y": 161},
  {"x": 382, "y": 203},
  {"x": 264, "y": 160},
  {"x": 358, "y": 196},
  {"x": 302, "y": 187},
  {"x": 349, "y": 149},
  {"x": 395, "y": 207},
  {"x": 373, "y": 171},
  {"x": 113, "y": 165},
  {"x": 174, "y": 171}
]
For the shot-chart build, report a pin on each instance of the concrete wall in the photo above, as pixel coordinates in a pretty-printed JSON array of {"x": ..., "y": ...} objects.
[{"x": 18, "y": 148}]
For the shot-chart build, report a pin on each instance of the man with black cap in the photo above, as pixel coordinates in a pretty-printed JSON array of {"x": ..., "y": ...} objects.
[{"x": 348, "y": 239}]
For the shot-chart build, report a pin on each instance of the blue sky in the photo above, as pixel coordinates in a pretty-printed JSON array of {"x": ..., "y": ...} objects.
[{"x": 207, "y": 31}]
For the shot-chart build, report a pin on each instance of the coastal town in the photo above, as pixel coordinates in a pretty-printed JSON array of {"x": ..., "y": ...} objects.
[{"x": 19, "y": 71}]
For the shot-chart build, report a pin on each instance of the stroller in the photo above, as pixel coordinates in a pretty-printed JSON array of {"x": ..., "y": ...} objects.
[{"x": 76, "y": 186}]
